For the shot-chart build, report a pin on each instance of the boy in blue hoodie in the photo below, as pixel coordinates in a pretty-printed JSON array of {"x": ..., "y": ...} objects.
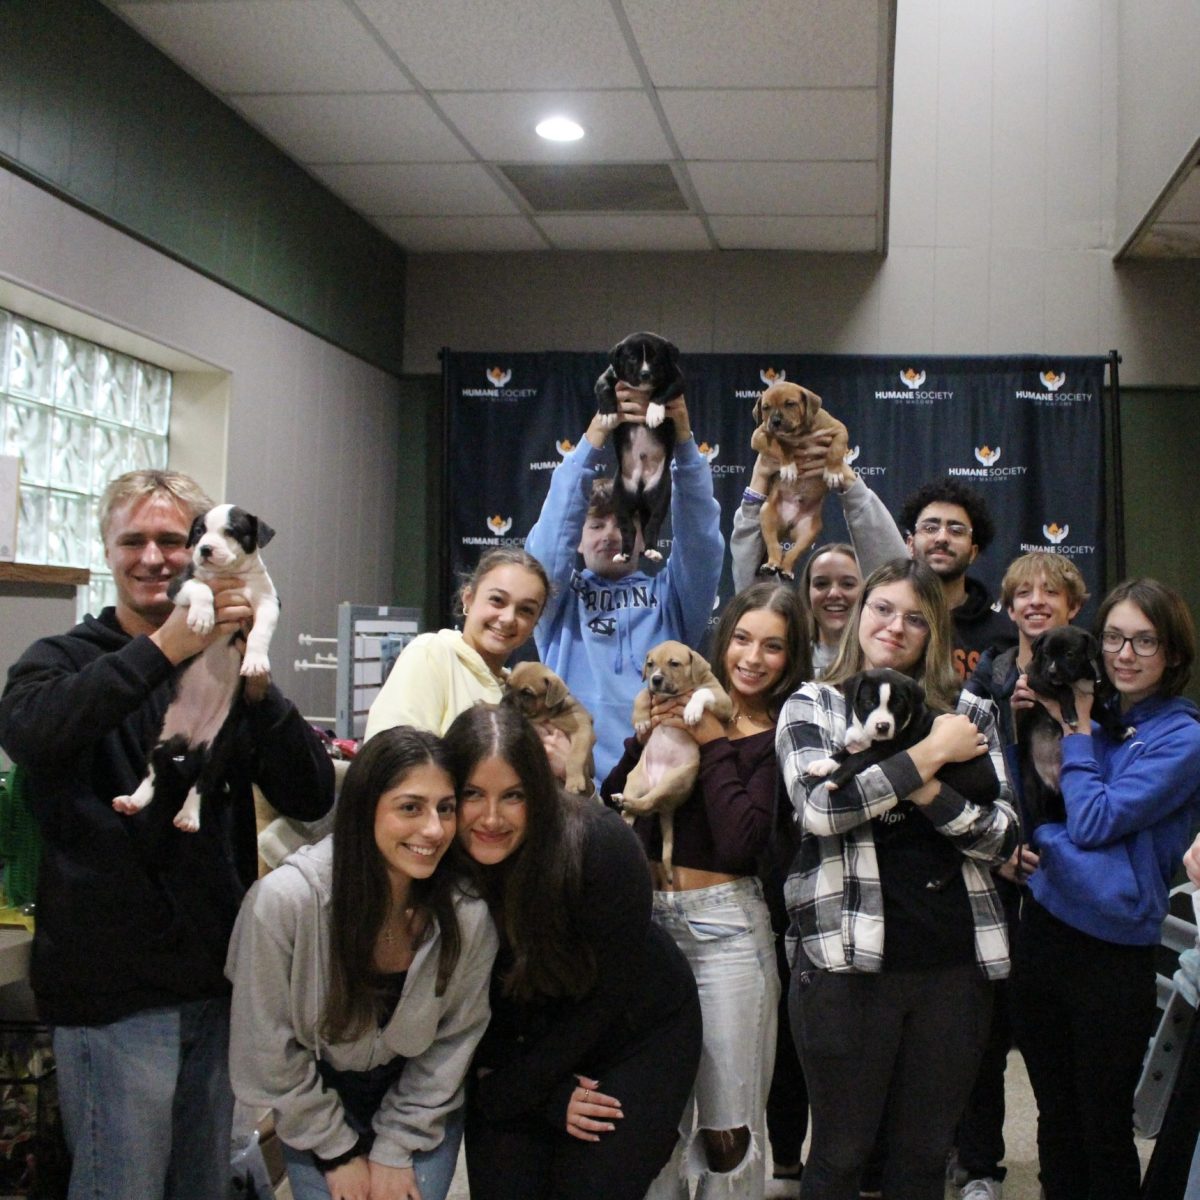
[{"x": 598, "y": 625}]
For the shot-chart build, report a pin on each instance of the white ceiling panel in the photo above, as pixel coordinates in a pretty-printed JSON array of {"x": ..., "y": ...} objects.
[
  {"x": 764, "y": 125},
  {"x": 432, "y": 234},
  {"x": 267, "y": 45},
  {"x": 433, "y": 190},
  {"x": 372, "y": 127},
  {"x": 811, "y": 43},
  {"x": 787, "y": 189},
  {"x": 499, "y": 44},
  {"x": 625, "y": 233},
  {"x": 832, "y": 234},
  {"x": 620, "y": 126}
]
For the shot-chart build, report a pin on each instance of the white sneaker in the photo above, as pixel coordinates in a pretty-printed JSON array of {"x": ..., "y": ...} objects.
[{"x": 982, "y": 1189}]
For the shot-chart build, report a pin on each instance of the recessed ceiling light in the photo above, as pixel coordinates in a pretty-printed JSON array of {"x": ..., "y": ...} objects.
[{"x": 559, "y": 129}]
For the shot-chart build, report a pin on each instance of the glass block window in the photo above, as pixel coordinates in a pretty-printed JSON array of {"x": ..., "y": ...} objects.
[{"x": 77, "y": 415}]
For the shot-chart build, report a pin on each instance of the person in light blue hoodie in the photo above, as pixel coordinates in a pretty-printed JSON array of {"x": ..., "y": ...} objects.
[
  {"x": 599, "y": 622},
  {"x": 1082, "y": 987}
]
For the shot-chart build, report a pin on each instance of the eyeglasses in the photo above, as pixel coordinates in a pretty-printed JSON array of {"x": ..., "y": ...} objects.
[
  {"x": 1144, "y": 644},
  {"x": 956, "y": 529},
  {"x": 885, "y": 613}
]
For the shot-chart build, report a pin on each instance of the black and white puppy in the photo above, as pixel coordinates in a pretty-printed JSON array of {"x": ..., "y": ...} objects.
[
  {"x": 886, "y": 713},
  {"x": 1062, "y": 661},
  {"x": 642, "y": 483},
  {"x": 225, "y": 541}
]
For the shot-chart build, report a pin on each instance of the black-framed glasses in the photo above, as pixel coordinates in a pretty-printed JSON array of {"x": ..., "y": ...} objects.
[
  {"x": 1144, "y": 644},
  {"x": 930, "y": 526},
  {"x": 886, "y": 614}
]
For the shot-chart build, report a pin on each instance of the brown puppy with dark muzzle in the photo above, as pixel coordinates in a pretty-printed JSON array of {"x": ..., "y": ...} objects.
[
  {"x": 543, "y": 699},
  {"x": 666, "y": 773},
  {"x": 785, "y": 414}
]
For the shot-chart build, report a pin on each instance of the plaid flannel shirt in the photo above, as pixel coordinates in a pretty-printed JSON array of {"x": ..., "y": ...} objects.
[{"x": 833, "y": 893}]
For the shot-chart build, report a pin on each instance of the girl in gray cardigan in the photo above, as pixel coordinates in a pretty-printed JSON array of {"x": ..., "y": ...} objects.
[{"x": 360, "y": 974}]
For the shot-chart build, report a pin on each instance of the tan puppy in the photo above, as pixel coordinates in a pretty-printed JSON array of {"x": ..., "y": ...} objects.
[
  {"x": 666, "y": 773},
  {"x": 542, "y": 698},
  {"x": 785, "y": 414}
]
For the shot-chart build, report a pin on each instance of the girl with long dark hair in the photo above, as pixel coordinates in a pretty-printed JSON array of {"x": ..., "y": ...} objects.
[
  {"x": 579, "y": 1083},
  {"x": 360, "y": 970}
]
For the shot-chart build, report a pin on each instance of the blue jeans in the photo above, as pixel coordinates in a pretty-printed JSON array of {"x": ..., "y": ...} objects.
[
  {"x": 146, "y": 1104},
  {"x": 434, "y": 1168},
  {"x": 725, "y": 934}
]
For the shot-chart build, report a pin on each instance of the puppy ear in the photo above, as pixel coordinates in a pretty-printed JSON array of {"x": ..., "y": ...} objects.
[
  {"x": 758, "y": 411},
  {"x": 814, "y": 401},
  {"x": 700, "y": 669},
  {"x": 672, "y": 353},
  {"x": 197, "y": 531},
  {"x": 265, "y": 532},
  {"x": 850, "y": 690},
  {"x": 556, "y": 692}
]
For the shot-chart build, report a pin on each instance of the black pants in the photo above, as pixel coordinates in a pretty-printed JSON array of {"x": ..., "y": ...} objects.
[
  {"x": 1082, "y": 1011},
  {"x": 787, "y": 1101},
  {"x": 528, "y": 1159},
  {"x": 898, "y": 1048}
]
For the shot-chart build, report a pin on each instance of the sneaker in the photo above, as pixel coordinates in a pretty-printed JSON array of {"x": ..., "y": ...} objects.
[{"x": 982, "y": 1189}]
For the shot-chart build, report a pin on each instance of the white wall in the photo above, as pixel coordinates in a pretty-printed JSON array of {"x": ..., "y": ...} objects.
[
  {"x": 1002, "y": 230},
  {"x": 312, "y": 430},
  {"x": 1159, "y": 120}
]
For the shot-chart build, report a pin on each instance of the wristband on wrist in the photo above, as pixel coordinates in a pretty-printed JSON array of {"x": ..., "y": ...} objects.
[
  {"x": 331, "y": 1164},
  {"x": 750, "y": 496}
]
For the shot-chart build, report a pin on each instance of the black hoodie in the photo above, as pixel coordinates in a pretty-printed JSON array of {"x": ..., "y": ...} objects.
[
  {"x": 131, "y": 912},
  {"x": 978, "y": 626}
]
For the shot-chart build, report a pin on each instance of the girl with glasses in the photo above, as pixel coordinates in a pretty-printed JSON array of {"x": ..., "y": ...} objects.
[
  {"x": 898, "y": 924},
  {"x": 1083, "y": 989}
]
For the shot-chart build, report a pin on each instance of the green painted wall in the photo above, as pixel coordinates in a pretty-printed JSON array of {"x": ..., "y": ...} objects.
[{"x": 91, "y": 111}]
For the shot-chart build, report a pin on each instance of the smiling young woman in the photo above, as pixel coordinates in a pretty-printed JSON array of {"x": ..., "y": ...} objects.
[
  {"x": 899, "y": 927},
  {"x": 578, "y": 1085},
  {"x": 357, "y": 956},
  {"x": 1083, "y": 993}
]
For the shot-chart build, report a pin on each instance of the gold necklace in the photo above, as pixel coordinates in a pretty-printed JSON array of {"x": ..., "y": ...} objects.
[{"x": 390, "y": 933}]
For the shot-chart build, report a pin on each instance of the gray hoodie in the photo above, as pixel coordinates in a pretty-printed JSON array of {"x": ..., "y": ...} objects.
[{"x": 279, "y": 964}]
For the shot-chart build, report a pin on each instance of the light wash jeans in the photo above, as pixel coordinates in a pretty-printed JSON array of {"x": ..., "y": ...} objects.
[
  {"x": 434, "y": 1168},
  {"x": 725, "y": 933},
  {"x": 146, "y": 1104}
]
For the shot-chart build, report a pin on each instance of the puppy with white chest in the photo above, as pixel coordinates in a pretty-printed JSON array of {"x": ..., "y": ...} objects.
[
  {"x": 786, "y": 414},
  {"x": 666, "y": 773},
  {"x": 225, "y": 543},
  {"x": 544, "y": 700},
  {"x": 642, "y": 483}
]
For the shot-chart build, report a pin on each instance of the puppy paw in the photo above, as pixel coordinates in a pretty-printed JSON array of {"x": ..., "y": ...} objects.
[
  {"x": 821, "y": 768},
  {"x": 652, "y": 555},
  {"x": 608, "y": 420},
  {"x": 656, "y": 414},
  {"x": 641, "y": 728},
  {"x": 578, "y": 784},
  {"x": 254, "y": 664},
  {"x": 694, "y": 709},
  {"x": 788, "y": 472},
  {"x": 769, "y": 568},
  {"x": 790, "y": 576},
  {"x": 637, "y": 808},
  {"x": 619, "y": 557},
  {"x": 200, "y": 619},
  {"x": 189, "y": 822},
  {"x": 126, "y": 804},
  {"x": 834, "y": 481}
]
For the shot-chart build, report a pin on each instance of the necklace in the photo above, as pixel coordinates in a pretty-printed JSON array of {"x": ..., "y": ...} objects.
[
  {"x": 391, "y": 934},
  {"x": 750, "y": 720}
]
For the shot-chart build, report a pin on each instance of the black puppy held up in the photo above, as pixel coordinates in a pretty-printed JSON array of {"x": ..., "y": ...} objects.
[{"x": 642, "y": 481}]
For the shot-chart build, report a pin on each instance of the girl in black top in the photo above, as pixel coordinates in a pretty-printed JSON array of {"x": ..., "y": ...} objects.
[{"x": 580, "y": 1080}]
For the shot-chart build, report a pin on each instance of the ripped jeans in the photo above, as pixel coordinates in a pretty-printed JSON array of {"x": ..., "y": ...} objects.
[{"x": 725, "y": 933}]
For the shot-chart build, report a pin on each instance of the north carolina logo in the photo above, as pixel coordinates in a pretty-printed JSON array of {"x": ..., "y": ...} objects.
[
  {"x": 912, "y": 378},
  {"x": 564, "y": 447},
  {"x": 986, "y": 455},
  {"x": 1052, "y": 380},
  {"x": 769, "y": 376},
  {"x": 710, "y": 453},
  {"x": 1055, "y": 533},
  {"x": 498, "y": 376},
  {"x": 851, "y": 455},
  {"x": 499, "y": 525}
]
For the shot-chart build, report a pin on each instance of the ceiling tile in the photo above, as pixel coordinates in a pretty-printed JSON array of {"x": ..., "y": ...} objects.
[
  {"x": 371, "y": 127},
  {"x": 785, "y": 126},
  {"x": 433, "y": 234},
  {"x": 758, "y": 43},
  {"x": 619, "y": 126},
  {"x": 838, "y": 234},
  {"x": 267, "y": 45},
  {"x": 489, "y": 44},
  {"x": 625, "y": 233},
  {"x": 433, "y": 190},
  {"x": 787, "y": 189}
]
